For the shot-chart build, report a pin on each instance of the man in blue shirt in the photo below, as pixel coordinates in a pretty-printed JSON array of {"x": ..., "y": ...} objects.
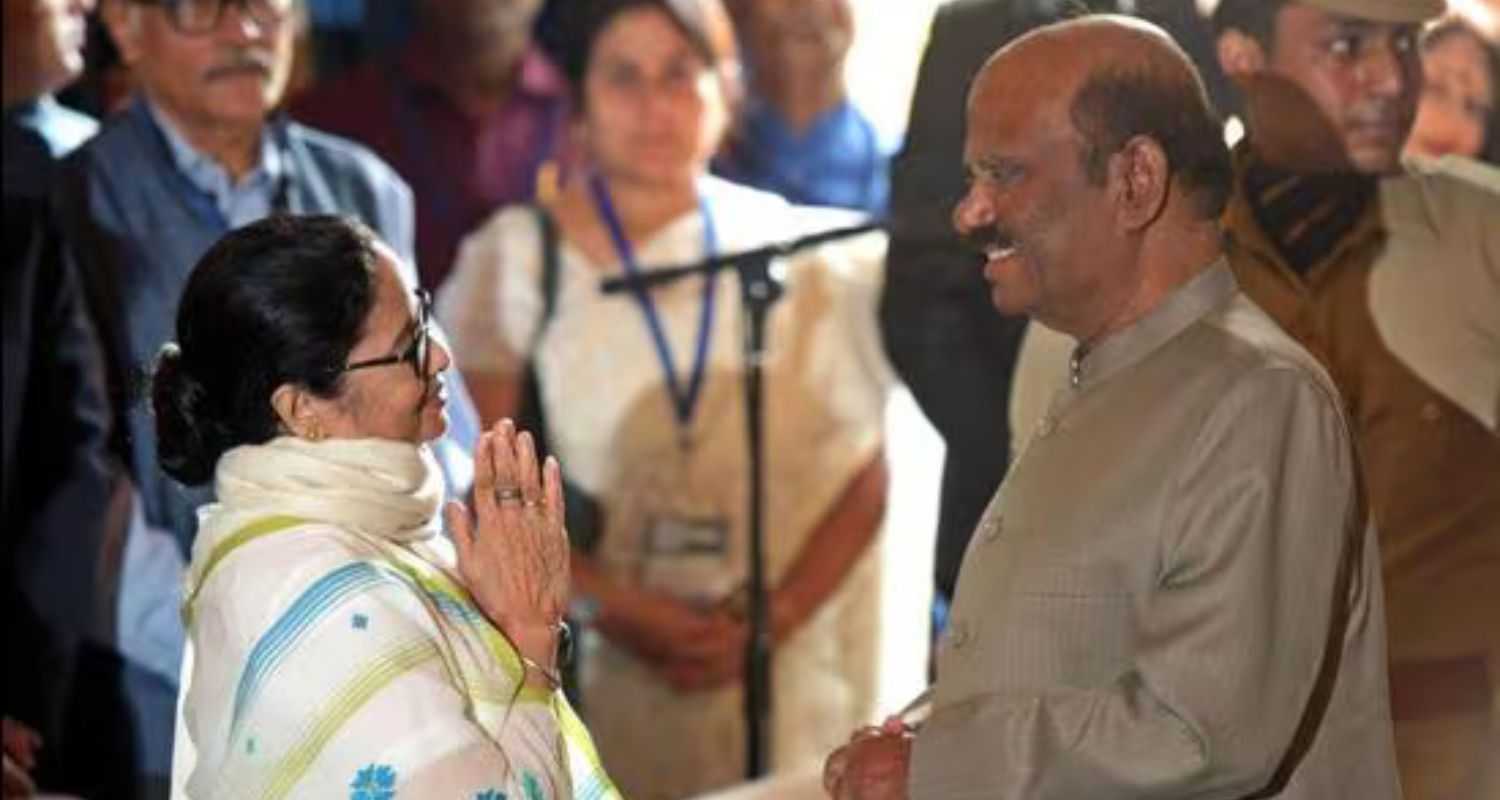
[
  {"x": 799, "y": 136},
  {"x": 199, "y": 153}
]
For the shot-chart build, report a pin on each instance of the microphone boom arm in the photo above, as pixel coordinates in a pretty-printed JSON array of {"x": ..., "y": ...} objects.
[{"x": 652, "y": 278}]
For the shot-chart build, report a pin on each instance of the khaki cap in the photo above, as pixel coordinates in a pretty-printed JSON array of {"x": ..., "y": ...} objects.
[{"x": 1382, "y": 10}]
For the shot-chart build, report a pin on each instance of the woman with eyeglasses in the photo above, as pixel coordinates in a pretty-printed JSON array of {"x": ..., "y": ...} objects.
[
  {"x": 339, "y": 646},
  {"x": 643, "y": 399}
]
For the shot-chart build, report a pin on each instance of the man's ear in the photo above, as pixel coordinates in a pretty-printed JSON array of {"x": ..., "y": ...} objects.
[
  {"x": 297, "y": 411},
  {"x": 123, "y": 21},
  {"x": 1240, "y": 55},
  {"x": 1142, "y": 176}
]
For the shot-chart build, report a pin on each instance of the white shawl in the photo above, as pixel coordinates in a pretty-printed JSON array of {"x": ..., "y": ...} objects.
[
  {"x": 384, "y": 488},
  {"x": 337, "y": 649}
]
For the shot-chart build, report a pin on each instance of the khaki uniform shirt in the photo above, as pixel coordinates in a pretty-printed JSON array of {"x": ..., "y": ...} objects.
[
  {"x": 1175, "y": 592},
  {"x": 1405, "y": 313}
]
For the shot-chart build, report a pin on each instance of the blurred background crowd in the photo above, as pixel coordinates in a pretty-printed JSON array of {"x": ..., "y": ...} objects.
[{"x": 466, "y": 134}]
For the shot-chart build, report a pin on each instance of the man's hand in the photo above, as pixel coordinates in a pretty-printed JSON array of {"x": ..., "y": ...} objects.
[
  {"x": 21, "y": 744},
  {"x": 17, "y": 783},
  {"x": 874, "y": 765}
]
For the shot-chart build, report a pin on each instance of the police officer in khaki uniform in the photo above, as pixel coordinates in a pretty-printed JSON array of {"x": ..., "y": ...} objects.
[{"x": 1391, "y": 275}]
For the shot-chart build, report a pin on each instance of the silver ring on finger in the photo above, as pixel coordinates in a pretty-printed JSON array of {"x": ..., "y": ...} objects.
[{"x": 509, "y": 494}]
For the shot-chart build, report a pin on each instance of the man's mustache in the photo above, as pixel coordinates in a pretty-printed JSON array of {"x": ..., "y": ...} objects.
[
  {"x": 981, "y": 240},
  {"x": 1383, "y": 113},
  {"x": 240, "y": 63}
]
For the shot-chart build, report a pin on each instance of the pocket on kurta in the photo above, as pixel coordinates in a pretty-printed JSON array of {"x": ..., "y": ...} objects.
[
  {"x": 1063, "y": 580},
  {"x": 1065, "y": 624}
]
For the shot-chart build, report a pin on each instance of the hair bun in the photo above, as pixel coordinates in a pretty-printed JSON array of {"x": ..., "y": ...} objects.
[{"x": 189, "y": 442}]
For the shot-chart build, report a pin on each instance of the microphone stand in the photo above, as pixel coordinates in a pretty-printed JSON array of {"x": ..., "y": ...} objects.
[{"x": 759, "y": 290}]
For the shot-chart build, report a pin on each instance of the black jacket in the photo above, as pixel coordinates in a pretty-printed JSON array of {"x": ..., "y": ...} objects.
[{"x": 57, "y": 474}]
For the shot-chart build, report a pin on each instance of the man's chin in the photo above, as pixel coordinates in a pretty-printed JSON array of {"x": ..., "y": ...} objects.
[
  {"x": 248, "y": 109},
  {"x": 1383, "y": 158},
  {"x": 1006, "y": 302}
]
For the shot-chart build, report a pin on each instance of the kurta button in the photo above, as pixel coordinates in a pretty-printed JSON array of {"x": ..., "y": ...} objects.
[
  {"x": 1046, "y": 428},
  {"x": 1431, "y": 412},
  {"x": 959, "y": 634}
]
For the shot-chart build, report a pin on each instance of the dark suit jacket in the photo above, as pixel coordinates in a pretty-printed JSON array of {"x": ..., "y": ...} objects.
[
  {"x": 57, "y": 477},
  {"x": 947, "y": 341}
]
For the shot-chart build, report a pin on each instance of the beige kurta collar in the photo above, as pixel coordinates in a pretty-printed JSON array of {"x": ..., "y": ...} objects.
[{"x": 1208, "y": 290}]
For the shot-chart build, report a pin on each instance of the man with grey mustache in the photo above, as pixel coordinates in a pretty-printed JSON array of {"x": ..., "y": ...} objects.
[
  {"x": 1174, "y": 594},
  {"x": 198, "y": 153},
  {"x": 1390, "y": 274}
]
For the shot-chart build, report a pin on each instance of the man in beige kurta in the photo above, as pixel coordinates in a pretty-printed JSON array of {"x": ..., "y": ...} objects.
[
  {"x": 1175, "y": 593},
  {"x": 1390, "y": 274}
]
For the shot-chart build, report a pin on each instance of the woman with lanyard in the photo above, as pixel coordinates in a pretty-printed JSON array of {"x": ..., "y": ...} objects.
[{"x": 642, "y": 394}]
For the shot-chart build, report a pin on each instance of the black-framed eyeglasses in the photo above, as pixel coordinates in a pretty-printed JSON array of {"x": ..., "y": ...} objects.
[
  {"x": 418, "y": 352},
  {"x": 198, "y": 17}
]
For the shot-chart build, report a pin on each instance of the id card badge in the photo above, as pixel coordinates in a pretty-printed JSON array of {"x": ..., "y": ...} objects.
[{"x": 687, "y": 557}]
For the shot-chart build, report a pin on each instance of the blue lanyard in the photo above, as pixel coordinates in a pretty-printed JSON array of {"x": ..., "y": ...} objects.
[{"x": 684, "y": 400}]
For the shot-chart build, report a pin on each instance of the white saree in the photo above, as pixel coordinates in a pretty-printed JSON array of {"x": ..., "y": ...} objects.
[{"x": 333, "y": 651}]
